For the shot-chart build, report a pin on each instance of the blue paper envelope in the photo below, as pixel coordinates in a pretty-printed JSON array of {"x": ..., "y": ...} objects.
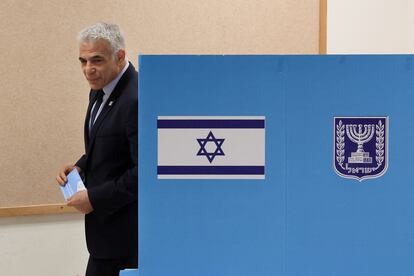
[{"x": 74, "y": 184}]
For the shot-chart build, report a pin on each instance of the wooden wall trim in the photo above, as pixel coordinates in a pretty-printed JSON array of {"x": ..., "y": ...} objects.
[
  {"x": 36, "y": 210},
  {"x": 323, "y": 14}
]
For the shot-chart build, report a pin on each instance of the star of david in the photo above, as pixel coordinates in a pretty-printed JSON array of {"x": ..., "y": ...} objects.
[{"x": 210, "y": 139}]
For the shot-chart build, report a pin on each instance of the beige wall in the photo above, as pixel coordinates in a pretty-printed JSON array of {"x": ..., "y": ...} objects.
[
  {"x": 44, "y": 96},
  {"x": 43, "y": 246}
]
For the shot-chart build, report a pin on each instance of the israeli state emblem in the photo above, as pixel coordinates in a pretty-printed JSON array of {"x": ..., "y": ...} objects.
[{"x": 360, "y": 147}]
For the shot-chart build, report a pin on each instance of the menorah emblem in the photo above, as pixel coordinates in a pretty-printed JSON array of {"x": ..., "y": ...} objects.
[
  {"x": 370, "y": 159},
  {"x": 360, "y": 137}
]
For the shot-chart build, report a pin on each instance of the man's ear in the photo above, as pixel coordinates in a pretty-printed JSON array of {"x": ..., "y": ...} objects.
[{"x": 121, "y": 55}]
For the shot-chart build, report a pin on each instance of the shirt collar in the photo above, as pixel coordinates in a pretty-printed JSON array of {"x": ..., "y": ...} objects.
[{"x": 110, "y": 86}]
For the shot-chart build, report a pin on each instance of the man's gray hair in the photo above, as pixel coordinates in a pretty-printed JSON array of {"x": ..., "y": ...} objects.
[{"x": 107, "y": 31}]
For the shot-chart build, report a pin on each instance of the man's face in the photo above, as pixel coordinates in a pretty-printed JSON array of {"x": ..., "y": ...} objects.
[{"x": 98, "y": 63}]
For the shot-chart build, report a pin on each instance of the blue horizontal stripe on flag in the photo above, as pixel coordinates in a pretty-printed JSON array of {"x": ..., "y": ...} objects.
[
  {"x": 252, "y": 170},
  {"x": 246, "y": 123}
]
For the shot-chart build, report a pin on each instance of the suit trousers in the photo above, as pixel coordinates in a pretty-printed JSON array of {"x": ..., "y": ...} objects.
[{"x": 109, "y": 267}]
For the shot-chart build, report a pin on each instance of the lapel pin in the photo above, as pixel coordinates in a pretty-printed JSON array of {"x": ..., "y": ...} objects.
[{"x": 110, "y": 103}]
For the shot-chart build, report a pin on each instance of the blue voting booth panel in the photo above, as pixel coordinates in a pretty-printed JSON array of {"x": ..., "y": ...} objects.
[
  {"x": 303, "y": 218},
  {"x": 130, "y": 272}
]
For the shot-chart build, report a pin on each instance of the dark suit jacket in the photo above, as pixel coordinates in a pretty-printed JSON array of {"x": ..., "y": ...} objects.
[{"x": 109, "y": 166}]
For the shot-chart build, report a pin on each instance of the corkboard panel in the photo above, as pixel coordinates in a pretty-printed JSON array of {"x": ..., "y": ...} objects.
[{"x": 44, "y": 96}]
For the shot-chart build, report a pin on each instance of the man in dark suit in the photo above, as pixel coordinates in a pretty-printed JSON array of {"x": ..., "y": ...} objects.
[{"x": 109, "y": 165}]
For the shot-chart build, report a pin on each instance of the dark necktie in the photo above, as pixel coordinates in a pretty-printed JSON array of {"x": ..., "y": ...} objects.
[{"x": 98, "y": 103}]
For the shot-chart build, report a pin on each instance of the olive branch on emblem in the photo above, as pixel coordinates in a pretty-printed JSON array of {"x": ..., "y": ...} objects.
[
  {"x": 340, "y": 143},
  {"x": 379, "y": 139}
]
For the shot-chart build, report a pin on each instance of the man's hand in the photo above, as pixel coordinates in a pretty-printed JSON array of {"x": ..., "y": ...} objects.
[
  {"x": 80, "y": 201},
  {"x": 61, "y": 177}
]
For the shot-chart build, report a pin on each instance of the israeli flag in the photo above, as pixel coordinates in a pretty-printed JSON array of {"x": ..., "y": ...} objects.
[{"x": 201, "y": 147}]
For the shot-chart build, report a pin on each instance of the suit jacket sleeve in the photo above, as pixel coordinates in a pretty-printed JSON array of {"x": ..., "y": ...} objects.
[
  {"x": 116, "y": 193},
  {"x": 81, "y": 163}
]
